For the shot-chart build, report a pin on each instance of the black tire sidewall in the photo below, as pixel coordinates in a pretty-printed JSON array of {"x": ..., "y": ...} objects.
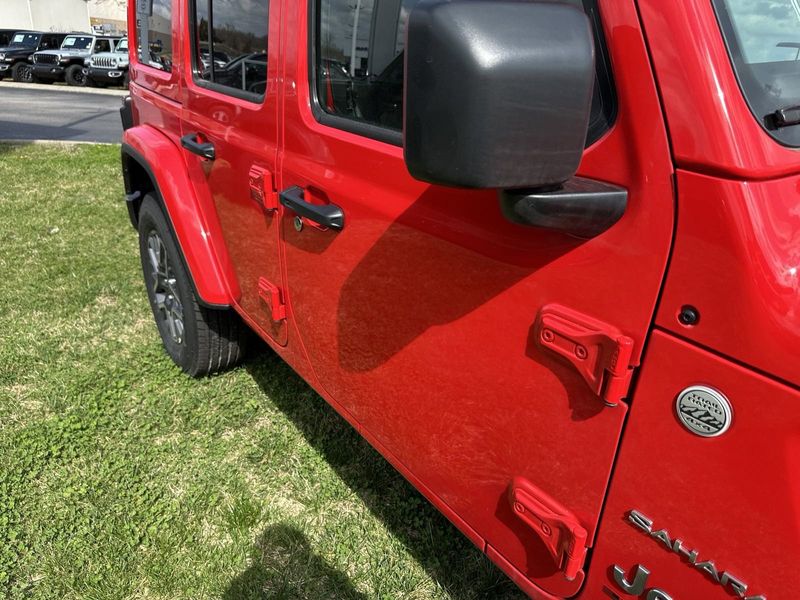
[
  {"x": 69, "y": 75},
  {"x": 151, "y": 218},
  {"x": 16, "y": 72}
]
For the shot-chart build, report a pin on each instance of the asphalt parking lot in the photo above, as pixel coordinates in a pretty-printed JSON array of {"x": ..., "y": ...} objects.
[{"x": 38, "y": 112}]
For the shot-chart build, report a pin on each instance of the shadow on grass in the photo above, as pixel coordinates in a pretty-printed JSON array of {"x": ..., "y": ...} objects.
[
  {"x": 9, "y": 146},
  {"x": 285, "y": 566},
  {"x": 445, "y": 554}
]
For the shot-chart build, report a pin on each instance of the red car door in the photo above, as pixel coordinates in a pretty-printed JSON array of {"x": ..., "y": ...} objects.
[
  {"x": 230, "y": 133},
  {"x": 424, "y": 314}
]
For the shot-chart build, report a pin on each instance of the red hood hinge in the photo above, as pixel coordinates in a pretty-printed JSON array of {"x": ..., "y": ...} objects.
[{"x": 600, "y": 352}]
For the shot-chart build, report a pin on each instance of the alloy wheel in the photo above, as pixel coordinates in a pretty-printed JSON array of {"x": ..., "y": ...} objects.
[{"x": 165, "y": 288}]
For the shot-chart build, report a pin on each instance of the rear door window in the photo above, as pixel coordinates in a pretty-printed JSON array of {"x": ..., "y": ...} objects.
[
  {"x": 230, "y": 46},
  {"x": 763, "y": 39},
  {"x": 50, "y": 41},
  {"x": 154, "y": 33}
]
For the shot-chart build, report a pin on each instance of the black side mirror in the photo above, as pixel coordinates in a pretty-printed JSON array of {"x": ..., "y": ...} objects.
[
  {"x": 498, "y": 95},
  {"x": 498, "y": 92}
]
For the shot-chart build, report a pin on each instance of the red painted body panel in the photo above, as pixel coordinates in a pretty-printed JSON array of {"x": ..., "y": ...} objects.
[
  {"x": 196, "y": 230},
  {"x": 417, "y": 322},
  {"x": 156, "y": 102},
  {"x": 737, "y": 259},
  {"x": 167, "y": 85},
  {"x": 711, "y": 127},
  {"x": 735, "y": 499},
  {"x": 245, "y": 135},
  {"x": 396, "y": 311}
]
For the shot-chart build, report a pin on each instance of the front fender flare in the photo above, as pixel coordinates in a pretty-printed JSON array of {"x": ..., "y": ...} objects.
[{"x": 194, "y": 224}]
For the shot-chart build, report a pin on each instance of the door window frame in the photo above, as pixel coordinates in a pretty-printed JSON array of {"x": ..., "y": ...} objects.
[
  {"x": 161, "y": 75},
  {"x": 197, "y": 78},
  {"x": 604, "y": 81},
  {"x": 375, "y": 132}
]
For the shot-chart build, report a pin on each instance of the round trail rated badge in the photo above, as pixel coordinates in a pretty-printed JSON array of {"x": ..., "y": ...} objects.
[{"x": 704, "y": 411}]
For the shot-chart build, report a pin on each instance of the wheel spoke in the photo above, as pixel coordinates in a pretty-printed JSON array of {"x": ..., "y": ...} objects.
[
  {"x": 179, "y": 328},
  {"x": 172, "y": 329},
  {"x": 161, "y": 300},
  {"x": 165, "y": 288},
  {"x": 162, "y": 259}
]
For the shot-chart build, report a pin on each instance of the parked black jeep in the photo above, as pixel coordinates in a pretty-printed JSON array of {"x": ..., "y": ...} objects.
[{"x": 15, "y": 55}]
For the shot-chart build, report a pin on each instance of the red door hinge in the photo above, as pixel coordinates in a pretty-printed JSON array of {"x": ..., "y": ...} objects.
[
  {"x": 262, "y": 188},
  {"x": 559, "y": 529},
  {"x": 601, "y": 353},
  {"x": 271, "y": 295}
]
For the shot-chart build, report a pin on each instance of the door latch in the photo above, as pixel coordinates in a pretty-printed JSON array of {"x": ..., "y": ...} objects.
[
  {"x": 270, "y": 294},
  {"x": 601, "y": 353},
  {"x": 262, "y": 188},
  {"x": 558, "y": 528}
]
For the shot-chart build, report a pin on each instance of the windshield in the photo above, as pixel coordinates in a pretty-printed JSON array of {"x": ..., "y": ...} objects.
[
  {"x": 122, "y": 46},
  {"x": 25, "y": 40},
  {"x": 763, "y": 38},
  {"x": 77, "y": 43}
]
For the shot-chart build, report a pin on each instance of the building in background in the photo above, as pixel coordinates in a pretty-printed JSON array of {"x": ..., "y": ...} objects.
[{"x": 102, "y": 16}]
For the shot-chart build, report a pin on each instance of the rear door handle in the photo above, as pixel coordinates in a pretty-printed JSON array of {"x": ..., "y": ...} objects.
[
  {"x": 327, "y": 215},
  {"x": 203, "y": 149}
]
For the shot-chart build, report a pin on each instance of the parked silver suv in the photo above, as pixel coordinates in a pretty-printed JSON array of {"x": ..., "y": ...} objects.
[
  {"x": 66, "y": 63},
  {"x": 108, "y": 68}
]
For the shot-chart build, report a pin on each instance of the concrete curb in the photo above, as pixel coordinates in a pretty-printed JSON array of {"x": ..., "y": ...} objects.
[{"x": 62, "y": 88}]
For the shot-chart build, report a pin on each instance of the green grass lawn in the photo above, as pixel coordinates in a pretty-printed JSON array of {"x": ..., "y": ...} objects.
[{"x": 120, "y": 477}]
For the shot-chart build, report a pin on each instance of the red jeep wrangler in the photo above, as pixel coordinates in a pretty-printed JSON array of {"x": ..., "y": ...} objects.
[{"x": 542, "y": 255}]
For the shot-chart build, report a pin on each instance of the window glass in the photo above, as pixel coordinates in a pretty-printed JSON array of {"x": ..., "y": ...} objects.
[
  {"x": 49, "y": 42},
  {"x": 102, "y": 46},
  {"x": 359, "y": 63},
  {"x": 231, "y": 45},
  {"x": 74, "y": 42},
  {"x": 28, "y": 40},
  {"x": 763, "y": 37},
  {"x": 122, "y": 46},
  {"x": 360, "y": 59},
  {"x": 154, "y": 33},
  {"x": 768, "y": 30}
]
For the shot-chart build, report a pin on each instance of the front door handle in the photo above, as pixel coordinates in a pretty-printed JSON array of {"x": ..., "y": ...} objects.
[
  {"x": 203, "y": 149},
  {"x": 327, "y": 215}
]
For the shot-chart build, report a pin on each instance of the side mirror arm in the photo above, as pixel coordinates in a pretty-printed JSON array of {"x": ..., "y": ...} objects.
[{"x": 581, "y": 207}]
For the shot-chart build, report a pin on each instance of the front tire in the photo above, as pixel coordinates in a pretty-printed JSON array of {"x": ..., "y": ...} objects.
[
  {"x": 22, "y": 73},
  {"x": 199, "y": 340},
  {"x": 74, "y": 76}
]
